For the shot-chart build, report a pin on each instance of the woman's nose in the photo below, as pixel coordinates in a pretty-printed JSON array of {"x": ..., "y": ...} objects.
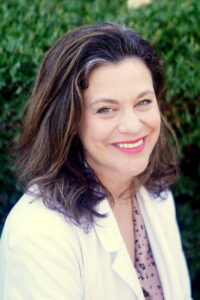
[{"x": 129, "y": 122}]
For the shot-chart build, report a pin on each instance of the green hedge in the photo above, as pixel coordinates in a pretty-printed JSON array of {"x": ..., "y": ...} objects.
[{"x": 28, "y": 29}]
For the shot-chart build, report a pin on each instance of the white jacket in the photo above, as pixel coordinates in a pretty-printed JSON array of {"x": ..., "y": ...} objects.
[{"x": 43, "y": 257}]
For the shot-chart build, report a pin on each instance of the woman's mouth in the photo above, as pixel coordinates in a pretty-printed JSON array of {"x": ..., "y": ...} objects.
[{"x": 131, "y": 147}]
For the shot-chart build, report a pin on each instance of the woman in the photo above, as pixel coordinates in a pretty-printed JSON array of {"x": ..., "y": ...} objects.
[{"x": 97, "y": 220}]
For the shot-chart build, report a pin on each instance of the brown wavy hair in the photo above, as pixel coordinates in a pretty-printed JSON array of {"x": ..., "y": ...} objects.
[{"x": 49, "y": 152}]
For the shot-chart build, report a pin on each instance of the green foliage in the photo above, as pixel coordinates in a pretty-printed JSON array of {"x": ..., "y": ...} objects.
[{"x": 29, "y": 28}]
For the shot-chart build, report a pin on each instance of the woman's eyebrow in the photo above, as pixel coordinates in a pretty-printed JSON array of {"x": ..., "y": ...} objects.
[
  {"x": 104, "y": 100},
  {"x": 145, "y": 93},
  {"x": 113, "y": 101}
]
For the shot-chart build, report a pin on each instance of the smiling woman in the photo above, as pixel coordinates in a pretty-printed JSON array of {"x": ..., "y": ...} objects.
[{"x": 97, "y": 220}]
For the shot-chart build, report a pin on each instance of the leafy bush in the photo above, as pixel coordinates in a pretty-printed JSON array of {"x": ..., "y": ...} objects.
[{"x": 28, "y": 29}]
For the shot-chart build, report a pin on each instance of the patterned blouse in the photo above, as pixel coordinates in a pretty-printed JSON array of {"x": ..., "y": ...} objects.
[{"x": 144, "y": 261}]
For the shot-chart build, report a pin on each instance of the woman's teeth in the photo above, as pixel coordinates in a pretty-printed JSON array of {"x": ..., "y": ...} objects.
[{"x": 128, "y": 146}]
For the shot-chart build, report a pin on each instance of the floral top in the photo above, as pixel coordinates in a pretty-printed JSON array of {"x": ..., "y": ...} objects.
[{"x": 144, "y": 260}]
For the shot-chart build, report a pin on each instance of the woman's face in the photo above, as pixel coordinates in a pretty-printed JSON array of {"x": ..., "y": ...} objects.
[{"x": 120, "y": 124}]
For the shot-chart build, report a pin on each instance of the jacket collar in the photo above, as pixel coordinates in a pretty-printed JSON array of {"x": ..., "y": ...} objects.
[
  {"x": 110, "y": 238},
  {"x": 107, "y": 229}
]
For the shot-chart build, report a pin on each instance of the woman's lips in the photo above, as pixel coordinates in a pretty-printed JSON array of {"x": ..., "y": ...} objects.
[{"x": 131, "y": 146}]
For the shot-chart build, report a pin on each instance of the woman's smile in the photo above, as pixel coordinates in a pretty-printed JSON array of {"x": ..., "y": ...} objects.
[{"x": 131, "y": 146}]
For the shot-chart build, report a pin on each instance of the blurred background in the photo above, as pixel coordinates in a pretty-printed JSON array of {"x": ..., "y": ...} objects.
[{"x": 29, "y": 28}]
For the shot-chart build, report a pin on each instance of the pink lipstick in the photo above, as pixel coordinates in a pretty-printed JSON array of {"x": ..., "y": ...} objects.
[{"x": 131, "y": 146}]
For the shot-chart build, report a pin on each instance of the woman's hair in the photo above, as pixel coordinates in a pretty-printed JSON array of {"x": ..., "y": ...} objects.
[{"x": 49, "y": 151}]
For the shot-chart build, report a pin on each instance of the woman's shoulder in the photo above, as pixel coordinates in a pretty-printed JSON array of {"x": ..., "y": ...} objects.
[
  {"x": 165, "y": 196},
  {"x": 43, "y": 246},
  {"x": 163, "y": 204},
  {"x": 30, "y": 216}
]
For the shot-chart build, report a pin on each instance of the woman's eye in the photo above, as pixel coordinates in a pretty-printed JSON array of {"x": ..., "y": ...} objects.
[
  {"x": 144, "y": 102},
  {"x": 104, "y": 110}
]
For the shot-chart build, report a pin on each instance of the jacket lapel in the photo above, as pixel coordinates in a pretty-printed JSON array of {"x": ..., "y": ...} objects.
[
  {"x": 110, "y": 238},
  {"x": 159, "y": 245}
]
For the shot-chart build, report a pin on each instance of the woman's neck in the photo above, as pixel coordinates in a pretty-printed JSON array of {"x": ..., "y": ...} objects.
[{"x": 118, "y": 187}]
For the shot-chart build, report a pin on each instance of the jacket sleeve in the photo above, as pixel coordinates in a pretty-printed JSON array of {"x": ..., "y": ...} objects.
[{"x": 41, "y": 266}]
